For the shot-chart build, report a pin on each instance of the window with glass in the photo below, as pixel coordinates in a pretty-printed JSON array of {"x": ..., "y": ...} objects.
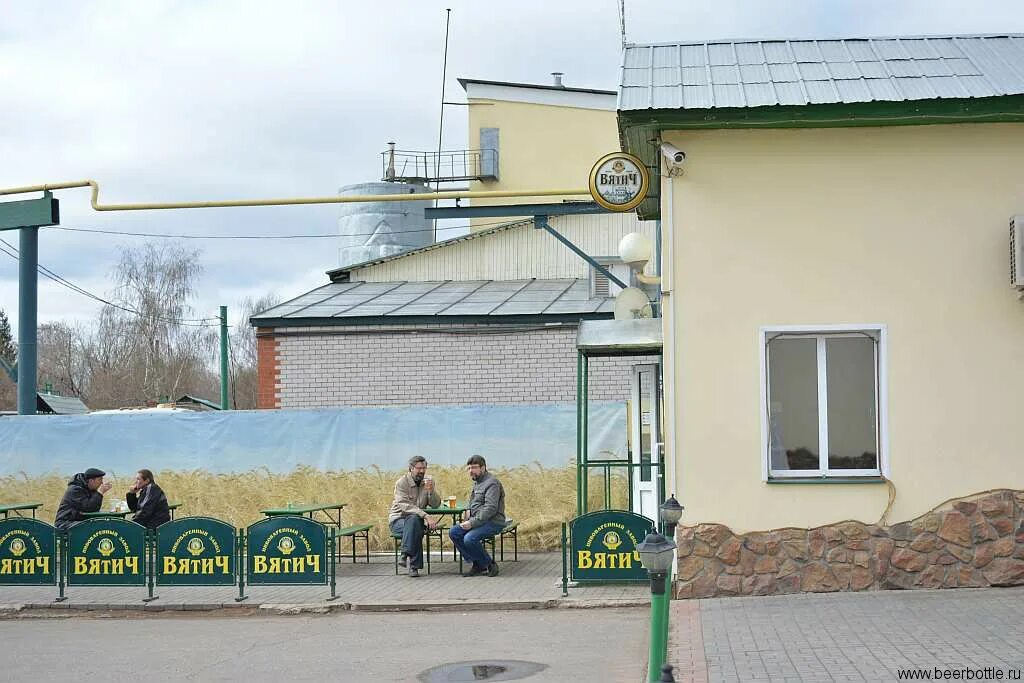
[{"x": 822, "y": 394}]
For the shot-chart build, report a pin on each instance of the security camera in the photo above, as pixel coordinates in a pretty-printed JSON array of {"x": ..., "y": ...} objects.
[{"x": 674, "y": 158}]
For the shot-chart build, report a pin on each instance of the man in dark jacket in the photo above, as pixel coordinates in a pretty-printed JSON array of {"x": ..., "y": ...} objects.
[
  {"x": 84, "y": 494},
  {"x": 147, "y": 501},
  {"x": 485, "y": 519}
]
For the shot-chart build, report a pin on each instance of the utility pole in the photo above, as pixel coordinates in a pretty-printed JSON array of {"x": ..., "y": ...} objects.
[
  {"x": 27, "y": 217},
  {"x": 224, "y": 358}
]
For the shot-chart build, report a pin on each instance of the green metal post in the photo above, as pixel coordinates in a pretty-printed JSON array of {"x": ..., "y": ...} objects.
[
  {"x": 223, "y": 357},
  {"x": 656, "y": 652},
  {"x": 331, "y": 546},
  {"x": 28, "y": 304},
  {"x": 580, "y": 470},
  {"x": 62, "y": 548},
  {"x": 150, "y": 560},
  {"x": 667, "y": 603},
  {"x": 565, "y": 566},
  {"x": 240, "y": 564},
  {"x": 585, "y": 437}
]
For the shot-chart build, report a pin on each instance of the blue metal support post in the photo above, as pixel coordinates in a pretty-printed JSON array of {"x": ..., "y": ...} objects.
[{"x": 28, "y": 302}]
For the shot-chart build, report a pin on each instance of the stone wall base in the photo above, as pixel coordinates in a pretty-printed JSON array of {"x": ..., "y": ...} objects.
[{"x": 978, "y": 541}]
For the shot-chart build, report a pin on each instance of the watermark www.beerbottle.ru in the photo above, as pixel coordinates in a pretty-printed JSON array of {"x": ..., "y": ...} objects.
[{"x": 943, "y": 673}]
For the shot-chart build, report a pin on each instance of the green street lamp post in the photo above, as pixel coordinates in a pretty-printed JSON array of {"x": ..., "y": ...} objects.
[
  {"x": 656, "y": 555},
  {"x": 670, "y": 512}
]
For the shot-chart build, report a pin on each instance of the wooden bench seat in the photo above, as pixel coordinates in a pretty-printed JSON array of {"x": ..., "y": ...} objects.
[{"x": 356, "y": 531}]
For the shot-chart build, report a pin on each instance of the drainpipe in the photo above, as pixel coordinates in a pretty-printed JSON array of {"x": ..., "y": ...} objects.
[{"x": 668, "y": 312}]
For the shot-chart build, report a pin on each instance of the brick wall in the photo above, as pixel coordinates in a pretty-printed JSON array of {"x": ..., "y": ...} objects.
[
  {"x": 266, "y": 366},
  {"x": 321, "y": 367}
]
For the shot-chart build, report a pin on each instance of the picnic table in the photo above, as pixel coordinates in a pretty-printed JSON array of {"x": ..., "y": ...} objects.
[
  {"x": 17, "y": 509},
  {"x": 455, "y": 513},
  {"x": 106, "y": 513},
  {"x": 332, "y": 511},
  {"x": 124, "y": 513}
]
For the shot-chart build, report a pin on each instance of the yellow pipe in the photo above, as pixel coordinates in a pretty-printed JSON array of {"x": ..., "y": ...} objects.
[{"x": 424, "y": 196}]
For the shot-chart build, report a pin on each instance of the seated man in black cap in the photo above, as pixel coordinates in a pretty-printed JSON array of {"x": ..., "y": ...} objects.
[
  {"x": 147, "y": 501},
  {"x": 84, "y": 494}
]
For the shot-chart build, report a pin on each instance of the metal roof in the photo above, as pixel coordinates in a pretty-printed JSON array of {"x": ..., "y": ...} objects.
[
  {"x": 615, "y": 337},
  {"x": 757, "y": 73},
  {"x": 60, "y": 405},
  {"x": 340, "y": 300},
  {"x": 465, "y": 81},
  {"x": 336, "y": 273}
]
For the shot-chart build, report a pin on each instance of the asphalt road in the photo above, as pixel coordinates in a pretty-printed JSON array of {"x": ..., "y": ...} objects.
[{"x": 572, "y": 644}]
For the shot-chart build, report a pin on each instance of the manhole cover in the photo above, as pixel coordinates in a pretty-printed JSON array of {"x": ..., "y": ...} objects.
[{"x": 501, "y": 670}]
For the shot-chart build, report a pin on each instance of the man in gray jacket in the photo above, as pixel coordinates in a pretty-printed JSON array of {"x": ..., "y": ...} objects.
[
  {"x": 486, "y": 519},
  {"x": 413, "y": 492}
]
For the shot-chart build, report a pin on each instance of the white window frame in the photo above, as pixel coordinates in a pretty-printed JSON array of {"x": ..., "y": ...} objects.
[{"x": 821, "y": 332}]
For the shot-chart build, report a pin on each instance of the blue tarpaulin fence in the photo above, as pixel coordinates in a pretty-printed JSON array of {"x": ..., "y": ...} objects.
[{"x": 327, "y": 439}]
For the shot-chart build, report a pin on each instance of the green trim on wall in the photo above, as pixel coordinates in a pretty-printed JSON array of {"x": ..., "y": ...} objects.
[
  {"x": 1009, "y": 108},
  {"x": 639, "y": 129},
  {"x": 829, "y": 480}
]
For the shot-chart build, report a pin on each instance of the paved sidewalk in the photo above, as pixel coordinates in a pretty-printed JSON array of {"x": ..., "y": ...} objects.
[
  {"x": 849, "y": 636},
  {"x": 532, "y": 582}
]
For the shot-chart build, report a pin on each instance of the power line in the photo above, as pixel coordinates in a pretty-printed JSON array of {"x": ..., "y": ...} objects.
[
  {"x": 12, "y": 252},
  {"x": 271, "y": 237}
]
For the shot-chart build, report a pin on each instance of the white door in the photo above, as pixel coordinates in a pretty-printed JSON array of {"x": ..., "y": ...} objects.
[{"x": 645, "y": 440}]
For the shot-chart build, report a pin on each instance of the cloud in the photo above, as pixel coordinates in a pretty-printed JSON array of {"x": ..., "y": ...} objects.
[{"x": 167, "y": 100}]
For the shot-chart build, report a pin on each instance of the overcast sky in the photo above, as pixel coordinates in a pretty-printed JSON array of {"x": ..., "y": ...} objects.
[{"x": 191, "y": 100}]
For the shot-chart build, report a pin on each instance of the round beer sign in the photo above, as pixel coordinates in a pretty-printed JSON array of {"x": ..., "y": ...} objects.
[{"x": 619, "y": 181}]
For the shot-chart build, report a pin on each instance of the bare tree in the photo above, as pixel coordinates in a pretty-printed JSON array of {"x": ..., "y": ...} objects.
[
  {"x": 150, "y": 344},
  {"x": 61, "y": 359},
  {"x": 244, "y": 382}
]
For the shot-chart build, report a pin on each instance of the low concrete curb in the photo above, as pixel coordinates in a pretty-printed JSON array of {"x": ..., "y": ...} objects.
[{"x": 68, "y": 609}]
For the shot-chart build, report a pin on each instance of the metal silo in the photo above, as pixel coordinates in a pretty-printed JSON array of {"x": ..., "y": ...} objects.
[{"x": 369, "y": 230}]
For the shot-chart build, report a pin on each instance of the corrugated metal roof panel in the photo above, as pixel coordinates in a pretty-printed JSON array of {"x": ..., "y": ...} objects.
[
  {"x": 493, "y": 298},
  {"x": 638, "y": 58},
  {"x": 667, "y": 56},
  {"x": 61, "y": 405},
  {"x": 813, "y": 71},
  {"x": 760, "y": 94},
  {"x": 790, "y": 93},
  {"x": 873, "y": 69},
  {"x": 755, "y": 73},
  {"x": 882, "y": 89},
  {"x": 728, "y": 96},
  {"x": 665, "y": 98},
  {"x": 948, "y": 86},
  {"x": 853, "y": 91},
  {"x": 697, "y": 97},
  {"x": 632, "y": 77},
  {"x": 721, "y": 53},
  {"x": 750, "y": 53},
  {"x": 894, "y": 69},
  {"x": 692, "y": 55},
  {"x": 666, "y": 76},
  {"x": 725, "y": 75},
  {"x": 843, "y": 71},
  {"x": 784, "y": 73},
  {"x": 915, "y": 88},
  {"x": 820, "y": 92},
  {"x": 806, "y": 51},
  {"x": 904, "y": 67},
  {"x": 933, "y": 67},
  {"x": 777, "y": 52},
  {"x": 695, "y": 75},
  {"x": 833, "y": 50}
]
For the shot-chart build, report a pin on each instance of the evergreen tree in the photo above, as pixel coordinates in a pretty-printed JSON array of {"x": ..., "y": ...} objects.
[{"x": 8, "y": 351}]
